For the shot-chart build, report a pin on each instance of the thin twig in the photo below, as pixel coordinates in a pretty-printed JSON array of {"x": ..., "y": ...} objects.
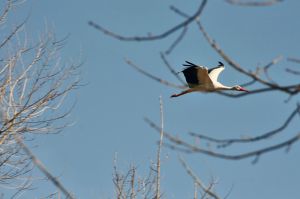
[
  {"x": 8, "y": 38},
  {"x": 269, "y": 65},
  {"x": 162, "y": 81},
  {"x": 179, "y": 12},
  {"x": 253, "y": 3},
  {"x": 294, "y": 72},
  {"x": 171, "y": 69},
  {"x": 177, "y": 40},
  {"x": 207, "y": 190},
  {"x": 159, "y": 148}
]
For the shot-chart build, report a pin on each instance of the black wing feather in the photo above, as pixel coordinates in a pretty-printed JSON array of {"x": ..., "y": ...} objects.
[{"x": 190, "y": 74}]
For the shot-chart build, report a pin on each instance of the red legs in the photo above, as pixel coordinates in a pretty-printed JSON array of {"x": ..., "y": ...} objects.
[{"x": 182, "y": 93}]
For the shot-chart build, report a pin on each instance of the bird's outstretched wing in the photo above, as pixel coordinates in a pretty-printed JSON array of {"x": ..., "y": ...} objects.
[
  {"x": 214, "y": 73},
  {"x": 196, "y": 75}
]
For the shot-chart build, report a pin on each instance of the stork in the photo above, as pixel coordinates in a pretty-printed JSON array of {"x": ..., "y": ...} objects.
[{"x": 202, "y": 79}]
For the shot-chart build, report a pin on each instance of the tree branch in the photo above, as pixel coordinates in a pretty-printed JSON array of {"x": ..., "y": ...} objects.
[
  {"x": 189, "y": 148},
  {"x": 190, "y": 172},
  {"x": 253, "y": 3},
  {"x": 228, "y": 142},
  {"x": 153, "y": 77},
  {"x": 154, "y": 37}
]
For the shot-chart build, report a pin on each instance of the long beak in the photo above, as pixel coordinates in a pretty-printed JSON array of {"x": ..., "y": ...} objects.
[{"x": 243, "y": 89}]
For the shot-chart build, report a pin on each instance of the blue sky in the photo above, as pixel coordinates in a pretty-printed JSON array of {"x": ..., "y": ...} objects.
[{"x": 111, "y": 107}]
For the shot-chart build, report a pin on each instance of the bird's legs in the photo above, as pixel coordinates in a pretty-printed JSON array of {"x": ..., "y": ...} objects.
[{"x": 182, "y": 93}]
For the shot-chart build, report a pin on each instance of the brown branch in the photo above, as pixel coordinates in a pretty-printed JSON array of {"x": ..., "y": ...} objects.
[
  {"x": 153, "y": 77},
  {"x": 189, "y": 148},
  {"x": 171, "y": 69},
  {"x": 197, "y": 180},
  {"x": 177, "y": 40},
  {"x": 8, "y": 38},
  {"x": 179, "y": 12},
  {"x": 228, "y": 142},
  {"x": 154, "y": 37},
  {"x": 253, "y": 3}
]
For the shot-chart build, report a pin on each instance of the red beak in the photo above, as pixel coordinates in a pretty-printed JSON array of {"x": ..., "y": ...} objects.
[{"x": 243, "y": 89}]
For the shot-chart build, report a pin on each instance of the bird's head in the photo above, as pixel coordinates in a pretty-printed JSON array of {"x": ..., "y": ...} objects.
[{"x": 239, "y": 88}]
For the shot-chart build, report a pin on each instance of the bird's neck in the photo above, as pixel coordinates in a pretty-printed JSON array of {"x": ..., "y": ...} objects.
[
  {"x": 222, "y": 87},
  {"x": 228, "y": 87}
]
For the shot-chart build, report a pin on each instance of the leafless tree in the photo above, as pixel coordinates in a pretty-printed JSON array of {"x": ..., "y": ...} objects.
[
  {"x": 34, "y": 83},
  {"x": 131, "y": 184}
]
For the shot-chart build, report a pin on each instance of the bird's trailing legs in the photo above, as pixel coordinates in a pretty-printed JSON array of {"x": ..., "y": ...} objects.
[{"x": 182, "y": 93}]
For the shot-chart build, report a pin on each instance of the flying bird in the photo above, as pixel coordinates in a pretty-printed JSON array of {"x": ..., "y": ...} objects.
[{"x": 200, "y": 78}]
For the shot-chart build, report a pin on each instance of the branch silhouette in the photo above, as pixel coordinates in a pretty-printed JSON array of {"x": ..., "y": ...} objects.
[
  {"x": 153, "y": 37},
  {"x": 228, "y": 142},
  {"x": 183, "y": 146}
]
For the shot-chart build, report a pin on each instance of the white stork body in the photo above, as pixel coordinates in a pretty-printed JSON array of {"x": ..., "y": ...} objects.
[{"x": 202, "y": 79}]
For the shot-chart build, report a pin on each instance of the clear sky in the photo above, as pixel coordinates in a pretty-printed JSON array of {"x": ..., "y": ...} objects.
[{"x": 110, "y": 108}]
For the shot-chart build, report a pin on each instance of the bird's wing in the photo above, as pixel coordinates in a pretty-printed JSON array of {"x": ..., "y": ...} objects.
[
  {"x": 196, "y": 75},
  {"x": 214, "y": 73}
]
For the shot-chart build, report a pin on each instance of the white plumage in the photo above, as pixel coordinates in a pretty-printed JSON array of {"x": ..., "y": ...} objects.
[{"x": 200, "y": 78}]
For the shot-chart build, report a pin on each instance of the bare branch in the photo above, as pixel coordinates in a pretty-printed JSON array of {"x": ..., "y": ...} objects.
[
  {"x": 228, "y": 142},
  {"x": 177, "y": 41},
  {"x": 159, "y": 148},
  {"x": 269, "y": 65},
  {"x": 253, "y": 3},
  {"x": 294, "y": 72},
  {"x": 7, "y": 38},
  {"x": 176, "y": 74},
  {"x": 129, "y": 186},
  {"x": 154, "y": 37},
  {"x": 179, "y": 12},
  {"x": 189, "y": 148},
  {"x": 207, "y": 190},
  {"x": 140, "y": 70}
]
